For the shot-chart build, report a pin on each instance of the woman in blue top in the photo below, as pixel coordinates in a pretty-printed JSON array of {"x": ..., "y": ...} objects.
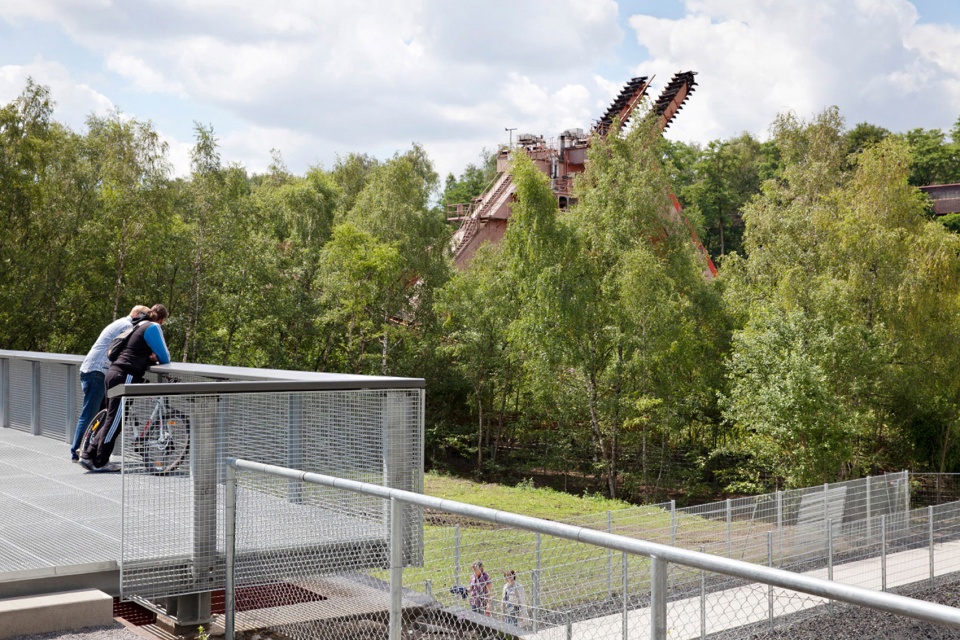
[{"x": 145, "y": 346}]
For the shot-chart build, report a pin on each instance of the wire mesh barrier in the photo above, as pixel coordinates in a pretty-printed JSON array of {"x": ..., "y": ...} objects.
[
  {"x": 174, "y": 449},
  {"x": 329, "y": 550},
  {"x": 573, "y": 582}
]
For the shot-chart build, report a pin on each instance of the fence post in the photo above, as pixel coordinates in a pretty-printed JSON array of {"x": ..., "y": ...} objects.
[
  {"x": 780, "y": 527},
  {"x": 906, "y": 491},
  {"x": 396, "y": 568},
  {"x": 883, "y": 552},
  {"x": 703, "y": 599},
  {"x": 729, "y": 526},
  {"x": 230, "y": 515},
  {"x": 658, "y": 598},
  {"x": 456, "y": 555},
  {"x": 295, "y": 445},
  {"x": 623, "y": 588},
  {"x": 673, "y": 530},
  {"x": 609, "y": 557},
  {"x": 536, "y": 584},
  {"x": 428, "y": 588},
  {"x": 770, "y": 586},
  {"x": 869, "y": 512},
  {"x": 930, "y": 535},
  {"x": 830, "y": 557},
  {"x": 535, "y": 580},
  {"x": 826, "y": 513}
]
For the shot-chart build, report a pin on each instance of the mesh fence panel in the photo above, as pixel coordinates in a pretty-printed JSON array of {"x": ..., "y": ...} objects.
[
  {"x": 21, "y": 394},
  {"x": 174, "y": 450},
  {"x": 570, "y": 589}
]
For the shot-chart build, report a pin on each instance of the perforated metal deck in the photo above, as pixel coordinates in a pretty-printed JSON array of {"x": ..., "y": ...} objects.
[{"x": 57, "y": 519}]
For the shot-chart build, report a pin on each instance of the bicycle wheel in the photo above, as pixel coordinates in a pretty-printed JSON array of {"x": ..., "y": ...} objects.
[
  {"x": 163, "y": 443},
  {"x": 92, "y": 429}
]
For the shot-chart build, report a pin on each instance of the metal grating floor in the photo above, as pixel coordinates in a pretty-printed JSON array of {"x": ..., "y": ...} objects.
[{"x": 56, "y": 517}]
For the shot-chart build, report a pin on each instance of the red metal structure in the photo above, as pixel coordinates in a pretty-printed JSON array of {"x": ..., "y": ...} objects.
[
  {"x": 486, "y": 218},
  {"x": 945, "y": 198}
]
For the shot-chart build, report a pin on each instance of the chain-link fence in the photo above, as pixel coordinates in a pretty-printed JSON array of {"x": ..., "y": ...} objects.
[{"x": 488, "y": 574}]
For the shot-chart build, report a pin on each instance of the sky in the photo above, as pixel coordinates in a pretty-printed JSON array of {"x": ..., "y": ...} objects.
[{"x": 316, "y": 79}]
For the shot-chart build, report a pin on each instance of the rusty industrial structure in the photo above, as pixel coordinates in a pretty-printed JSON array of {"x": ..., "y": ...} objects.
[
  {"x": 944, "y": 198},
  {"x": 486, "y": 218}
]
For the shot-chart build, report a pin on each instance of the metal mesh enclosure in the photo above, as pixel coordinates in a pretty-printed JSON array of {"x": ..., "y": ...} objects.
[{"x": 173, "y": 536}]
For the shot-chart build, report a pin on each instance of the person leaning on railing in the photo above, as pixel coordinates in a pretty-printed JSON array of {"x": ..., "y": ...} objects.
[
  {"x": 93, "y": 372},
  {"x": 145, "y": 346}
]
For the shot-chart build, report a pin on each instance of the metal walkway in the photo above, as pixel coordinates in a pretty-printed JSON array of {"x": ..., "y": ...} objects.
[{"x": 58, "y": 520}]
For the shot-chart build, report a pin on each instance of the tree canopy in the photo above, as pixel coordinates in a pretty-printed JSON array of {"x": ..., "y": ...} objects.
[{"x": 589, "y": 349}]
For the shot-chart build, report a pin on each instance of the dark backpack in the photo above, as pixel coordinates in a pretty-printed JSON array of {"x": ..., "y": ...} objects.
[{"x": 118, "y": 344}]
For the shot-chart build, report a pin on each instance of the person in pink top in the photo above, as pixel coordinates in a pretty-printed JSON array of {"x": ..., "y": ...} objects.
[{"x": 480, "y": 589}]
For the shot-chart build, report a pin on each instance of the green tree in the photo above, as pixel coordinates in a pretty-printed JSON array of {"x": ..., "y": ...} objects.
[
  {"x": 472, "y": 181},
  {"x": 844, "y": 285}
]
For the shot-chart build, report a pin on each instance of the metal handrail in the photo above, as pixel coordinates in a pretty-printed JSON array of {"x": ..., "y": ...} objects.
[{"x": 661, "y": 554}]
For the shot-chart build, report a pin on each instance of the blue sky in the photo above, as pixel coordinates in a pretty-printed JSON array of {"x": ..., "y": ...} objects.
[{"x": 314, "y": 79}]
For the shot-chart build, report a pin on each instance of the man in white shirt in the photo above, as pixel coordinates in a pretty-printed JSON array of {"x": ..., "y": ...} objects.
[{"x": 93, "y": 372}]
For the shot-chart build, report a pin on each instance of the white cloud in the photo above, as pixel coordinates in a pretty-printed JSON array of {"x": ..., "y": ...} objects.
[
  {"x": 140, "y": 74},
  {"x": 757, "y": 58},
  {"x": 74, "y": 100}
]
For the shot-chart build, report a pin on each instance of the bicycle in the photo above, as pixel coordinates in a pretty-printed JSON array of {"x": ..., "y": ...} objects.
[{"x": 161, "y": 441}]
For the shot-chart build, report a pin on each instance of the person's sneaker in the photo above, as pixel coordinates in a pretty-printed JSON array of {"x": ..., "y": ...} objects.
[
  {"x": 74, "y": 457},
  {"x": 86, "y": 463},
  {"x": 110, "y": 467}
]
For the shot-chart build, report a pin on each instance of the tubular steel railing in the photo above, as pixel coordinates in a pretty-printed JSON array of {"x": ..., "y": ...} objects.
[{"x": 660, "y": 560}]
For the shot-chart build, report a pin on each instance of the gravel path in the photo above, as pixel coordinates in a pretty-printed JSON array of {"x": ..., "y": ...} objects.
[
  {"x": 115, "y": 631},
  {"x": 858, "y": 623}
]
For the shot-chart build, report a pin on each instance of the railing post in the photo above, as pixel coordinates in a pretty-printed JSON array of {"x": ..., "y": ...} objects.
[
  {"x": 769, "y": 586},
  {"x": 230, "y": 515},
  {"x": 396, "y": 568},
  {"x": 658, "y": 598},
  {"x": 70, "y": 402},
  {"x": 703, "y": 599},
  {"x": 609, "y": 557},
  {"x": 295, "y": 444},
  {"x": 456, "y": 555},
  {"x": 625, "y": 605},
  {"x": 4, "y": 393},
  {"x": 36, "y": 424},
  {"x": 536, "y": 584},
  {"x": 869, "y": 512},
  {"x": 729, "y": 528},
  {"x": 195, "y": 608},
  {"x": 930, "y": 536},
  {"x": 830, "y": 557},
  {"x": 883, "y": 552}
]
